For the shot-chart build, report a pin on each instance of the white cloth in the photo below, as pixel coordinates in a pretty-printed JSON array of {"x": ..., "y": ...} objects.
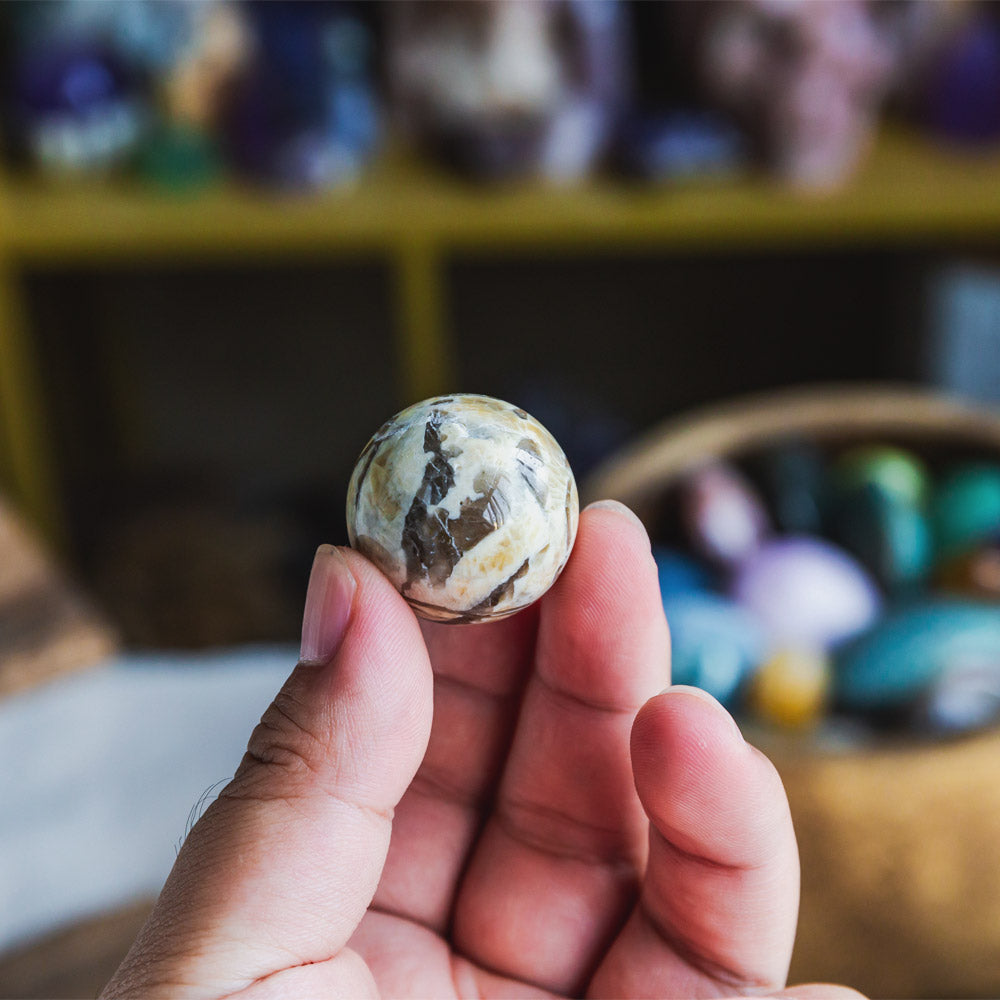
[{"x": 100, "y": 770}]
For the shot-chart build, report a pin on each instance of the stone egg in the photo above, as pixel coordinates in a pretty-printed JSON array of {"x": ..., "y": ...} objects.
[
  {"x": 959, "y": 701},
  {"x": 966, "y": 506},
  {"x": 893, "y": 472},
  {"x": 714, "y": 643},
  {"x": 790, "y": 688},
  {"x": 806, "y": 592},
  {"x": 892, "y": 538},
  {"x": 916, "y": 647},
  {"x": 467, "y": 504},
  {"x": 724, "y": 517}
]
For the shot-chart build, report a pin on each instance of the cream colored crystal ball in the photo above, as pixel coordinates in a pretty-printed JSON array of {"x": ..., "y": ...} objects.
[{"x": 467, "y": 504}]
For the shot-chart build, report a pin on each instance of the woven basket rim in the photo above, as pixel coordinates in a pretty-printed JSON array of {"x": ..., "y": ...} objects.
[{"x": 822, "y": 411}]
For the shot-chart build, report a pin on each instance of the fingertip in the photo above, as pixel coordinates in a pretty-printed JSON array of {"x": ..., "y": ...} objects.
[
  {"x": 617, "y": 510},
  {"x": 700, "y": 711},
  {"x": 819, "y": 991},
  {"x": 682, "y": 721},
  {"x": 329, "y": 600},
  {"x": 352, "y": 606},
  {"x": 603, "y": 633},
  {"x": 617, "y": 523},
  {"x": 703, "y": 786},
  {"x": 365, "y": 675},
  {"x": 381, "y": 613},
  {"x": 612, "y": 550}
]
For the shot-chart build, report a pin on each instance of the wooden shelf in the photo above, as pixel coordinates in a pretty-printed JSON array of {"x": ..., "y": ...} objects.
[
  {"x": 907, "y": 194},
  {"x": 907, "y": 191}
]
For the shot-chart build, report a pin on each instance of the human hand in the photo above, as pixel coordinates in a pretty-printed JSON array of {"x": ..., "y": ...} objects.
[{"x": 561, "y": 826}]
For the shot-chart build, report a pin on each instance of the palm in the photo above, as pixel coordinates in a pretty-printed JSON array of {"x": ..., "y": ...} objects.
[{"x": 521, "y": 861}]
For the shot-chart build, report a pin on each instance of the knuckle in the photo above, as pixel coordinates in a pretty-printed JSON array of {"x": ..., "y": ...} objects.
[{"x": 282, "y": 753}]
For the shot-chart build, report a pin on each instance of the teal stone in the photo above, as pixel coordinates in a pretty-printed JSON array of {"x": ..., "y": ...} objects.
[
  {"x": 912, "y": 648},
  {"x": 966, "y": 507},
  {"x": 891, "y": 538},
  {"x": 679, "y": 573},
  {"x": 714, "y": 643},
  {"x": 895, "y": 473}
]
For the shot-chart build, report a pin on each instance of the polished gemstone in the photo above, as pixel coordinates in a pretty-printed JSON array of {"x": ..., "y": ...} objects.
[
  {"x": 794, "y": 481},
  {"x": 966, "y": 506},
  {"x": 790, "y": 688},
  {"x": 913, "y": 648},
  {"x": 724, "y": 517},
  {"x": 467, "y": 504},
  {"x": 714, "y": 642},
  {"x": 889, "y": 536},
  {"x": 895, "y": 473},
  {"x": 806, "y": 592}
]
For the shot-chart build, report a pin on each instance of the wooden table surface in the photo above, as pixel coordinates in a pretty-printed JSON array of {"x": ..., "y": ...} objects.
[{"x": 74, "y": 962}]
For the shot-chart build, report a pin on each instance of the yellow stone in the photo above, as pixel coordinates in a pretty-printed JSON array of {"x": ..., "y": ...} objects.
[{"x": 791, "y": 688}]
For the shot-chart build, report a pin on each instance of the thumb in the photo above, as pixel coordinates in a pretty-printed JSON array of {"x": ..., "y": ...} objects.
[{"x": 279, "y": 871}]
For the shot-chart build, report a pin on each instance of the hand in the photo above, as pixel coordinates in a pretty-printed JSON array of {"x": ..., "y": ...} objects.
[{"x": 562, "y": 826}]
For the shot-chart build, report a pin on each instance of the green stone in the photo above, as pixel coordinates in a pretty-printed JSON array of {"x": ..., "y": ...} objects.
[{"x": 894, "y": 472}]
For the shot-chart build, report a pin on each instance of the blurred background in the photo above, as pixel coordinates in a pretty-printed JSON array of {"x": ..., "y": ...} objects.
[{"x": 235, "y": 237}]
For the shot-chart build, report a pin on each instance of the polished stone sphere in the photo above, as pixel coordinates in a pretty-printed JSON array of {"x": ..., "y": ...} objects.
[{"x": 467, "y": 504}]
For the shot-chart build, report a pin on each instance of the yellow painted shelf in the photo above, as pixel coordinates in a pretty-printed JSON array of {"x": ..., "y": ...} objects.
[
  {"x": 907, "y": 194},
  {"x": 906, "y": 191}
]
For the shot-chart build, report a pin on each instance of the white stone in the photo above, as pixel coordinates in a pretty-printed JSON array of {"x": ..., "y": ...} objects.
[{"x": 467, "y": 504}]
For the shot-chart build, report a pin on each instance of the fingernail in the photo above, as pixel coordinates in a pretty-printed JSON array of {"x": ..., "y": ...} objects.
[
  {"x": 328, "y": 606},
  {"x": 702, "y": 695},
  {"x": 617, "y": 507}
]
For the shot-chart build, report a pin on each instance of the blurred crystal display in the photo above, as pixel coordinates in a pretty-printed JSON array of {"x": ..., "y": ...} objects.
[
  {"x": 723, "y": 515},
  {"x": 509, "y": 87},
  {"x": 301, "y": 94},
  {"x": 958, "y": 92},
  {"x": 193, "y": 81},
  {"x": 179, "y": 89},
  {"x": 96, "y": 84},
  {"x": 306, "y": 115},
  {"x": 805, "y": 79},
  {"x": 75, "y": 105}
]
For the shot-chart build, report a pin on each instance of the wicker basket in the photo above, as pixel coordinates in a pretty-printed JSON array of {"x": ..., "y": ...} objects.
[{"x": 900, "y": 845}]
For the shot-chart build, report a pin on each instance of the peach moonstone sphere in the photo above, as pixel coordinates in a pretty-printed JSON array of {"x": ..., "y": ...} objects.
[{"x": 467, "y": 504}]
